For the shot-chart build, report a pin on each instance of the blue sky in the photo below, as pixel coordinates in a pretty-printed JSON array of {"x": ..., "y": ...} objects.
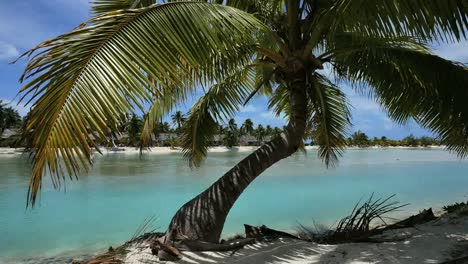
[{"x": 23, "y": 24}]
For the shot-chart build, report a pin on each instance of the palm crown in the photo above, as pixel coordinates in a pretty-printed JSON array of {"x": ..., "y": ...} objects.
[{"x": 136, "y": 52}]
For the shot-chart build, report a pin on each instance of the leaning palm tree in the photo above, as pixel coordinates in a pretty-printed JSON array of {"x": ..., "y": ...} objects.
[{"x": 135, "y": 52}]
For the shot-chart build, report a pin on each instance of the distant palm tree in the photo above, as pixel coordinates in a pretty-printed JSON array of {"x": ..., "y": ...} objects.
[
  {"x": 165, "y": 127},
  {"x": 260, "y": 133},
  {"x": 9, "y": 117},
  {"x": 178, "y": 119},
  {"x": 133, "y": 128},
  {"x": 268, "y": 130},
  {"x": 277, "y": 131},
  {"x": 247, "y": 127},
  {"x": 160, "y": 53},
  {"x": 231, "y": 134}
]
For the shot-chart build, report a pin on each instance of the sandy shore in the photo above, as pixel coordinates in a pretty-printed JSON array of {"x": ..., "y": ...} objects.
[
  {"x": 434, "y": 242},
  {"x": 168, "y": 150}
]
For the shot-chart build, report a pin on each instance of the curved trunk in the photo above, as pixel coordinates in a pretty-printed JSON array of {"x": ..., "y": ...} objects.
[{"x": 203, "y": 217}]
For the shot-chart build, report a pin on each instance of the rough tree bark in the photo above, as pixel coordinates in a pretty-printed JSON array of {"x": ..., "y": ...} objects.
[{"x": 203, "y": 217}]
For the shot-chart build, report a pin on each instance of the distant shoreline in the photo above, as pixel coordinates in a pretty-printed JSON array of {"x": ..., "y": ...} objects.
[{"x": 169, "y": 150}]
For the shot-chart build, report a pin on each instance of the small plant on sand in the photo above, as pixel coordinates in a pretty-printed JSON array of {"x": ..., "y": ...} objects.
[
  {"x": 461, "y": 208},
  {"x": 359, "y": 225}
]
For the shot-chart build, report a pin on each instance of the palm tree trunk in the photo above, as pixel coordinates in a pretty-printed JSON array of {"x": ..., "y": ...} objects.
[{"x": 203, "y": 217}]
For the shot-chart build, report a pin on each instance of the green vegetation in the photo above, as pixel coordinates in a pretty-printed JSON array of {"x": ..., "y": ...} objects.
[
  {"x": 9, "y": 118},
  {"x": 133, "y": 128},
  {"x": 457, "y": 207},
  {"x": 136, "y": 53},
  {"x": 232, "y": 133},
  {"x": 360, "y": 139},
  {"x": 178, "y": 119}
]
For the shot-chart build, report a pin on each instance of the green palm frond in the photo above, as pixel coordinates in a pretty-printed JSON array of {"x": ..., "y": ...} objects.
[
  {"x": 104, "y": 6},
  {"x": 88, "y": 78},
  {"x": 445, "y": 20},
  {"x": 220, "y": 102},
  {"x": 165, "y": 99},
  {"x": 410, "y": 82},
  {"x": 331, "y": 118},
  {"x": 279, "y": 101}
]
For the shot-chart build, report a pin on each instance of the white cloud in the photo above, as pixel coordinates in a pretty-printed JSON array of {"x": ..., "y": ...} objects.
[
  {"x": 362, "y": 104},
  {"x": 8, "y": 52},
  {"x": 21, "y": 108},
  {"x": 268, "y": 115},
  {"x": 249, "y": 109},
  {"x": 455, "y": 51}
]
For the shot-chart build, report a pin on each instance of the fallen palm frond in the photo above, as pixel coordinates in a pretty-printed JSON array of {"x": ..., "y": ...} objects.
[{"x": 359, "y": 225}]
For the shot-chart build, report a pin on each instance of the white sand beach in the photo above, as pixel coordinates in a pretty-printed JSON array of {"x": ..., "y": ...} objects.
[
  {"x": 168, "y": 150},
  {"x": 434, "y": 242}
]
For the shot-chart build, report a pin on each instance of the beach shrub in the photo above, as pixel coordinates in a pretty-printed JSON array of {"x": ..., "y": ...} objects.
[
  {"x": 358, "y": 226},
  {"x": 461, "y": 207}
]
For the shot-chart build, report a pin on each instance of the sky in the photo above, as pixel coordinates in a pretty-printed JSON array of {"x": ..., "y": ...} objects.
[{"x": 24, "y": 24}]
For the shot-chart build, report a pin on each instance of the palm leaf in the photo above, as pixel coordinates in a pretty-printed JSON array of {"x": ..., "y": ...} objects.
[
  {"x": 331, "y": 118},
  {"x": 83, "y": 81},
  {"x": 220, "y": 102},
  {"x": 445, "y": 20},
  {"x": 410, "y": 82},
  {"x": 165, "y": 99}
]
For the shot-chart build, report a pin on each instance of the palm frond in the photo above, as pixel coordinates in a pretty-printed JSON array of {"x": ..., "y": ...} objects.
[
  {"x": 331, "y": 118},
  {"x": 410, "y": 82},
  {"x": 165, "y": 99},
  {"x": 428, "y": 20},
  {"x": 83, "y": 81},
  {"x": 280, "y": 102},
  {"x": 220, "y": 102}
]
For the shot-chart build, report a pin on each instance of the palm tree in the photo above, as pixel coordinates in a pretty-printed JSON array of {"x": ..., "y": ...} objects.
[
  {"x": 159, "y": 54},
  {"x": 231, "y": 134},
  {"x": 277, "y": 131},
  {"x": 260, "y": 133},
  {"x": 9, "y": 117},
  {"x": 268, "y": 130},
  {"x": 178, "y": 119},
  {"x": 247, "y": 127},
  {"x": 165, "y": 127},
  {"x": 360, "y": 139},
  {"x": 133, "y": 128}
]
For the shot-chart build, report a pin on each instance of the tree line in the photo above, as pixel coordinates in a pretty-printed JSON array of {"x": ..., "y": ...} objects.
[
  {"x": 360, "y": 139},
  {"x": 231, "y": 133}
]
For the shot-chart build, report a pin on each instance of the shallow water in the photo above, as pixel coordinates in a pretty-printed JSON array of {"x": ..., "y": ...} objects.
[{"x": 106, "y": 207}]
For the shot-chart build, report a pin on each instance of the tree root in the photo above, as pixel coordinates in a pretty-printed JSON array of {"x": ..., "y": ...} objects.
[
  {"x": 192, "y": 245},
  {"x": 263, "y": 231}
]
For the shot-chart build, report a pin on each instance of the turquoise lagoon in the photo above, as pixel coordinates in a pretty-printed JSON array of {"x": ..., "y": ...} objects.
[{"x": 106, "y": 207}]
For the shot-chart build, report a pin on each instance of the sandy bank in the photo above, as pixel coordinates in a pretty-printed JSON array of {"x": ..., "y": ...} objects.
[{"x": 433, "y": 242}]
